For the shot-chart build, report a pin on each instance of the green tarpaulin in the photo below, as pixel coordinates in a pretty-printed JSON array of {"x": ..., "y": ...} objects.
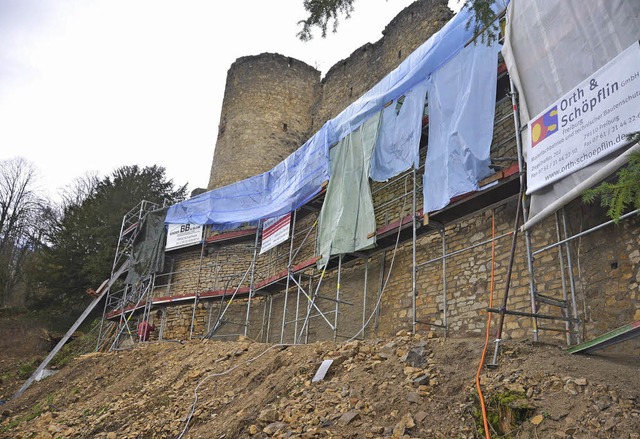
[
  {"x": 347, "y": 217},
  {"x": 147, "y": 256}
]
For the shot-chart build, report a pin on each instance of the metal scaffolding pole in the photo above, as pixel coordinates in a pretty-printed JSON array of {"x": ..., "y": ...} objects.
[
  {"x": 219, "y": 321},
  {"x": 414, "y": 268},
  {"x": 269, "y": 318},
  {"x": 335, "y": 325},
  {"x": 306, "y": 332},
  {"x": 364, "y": 295},
  {"x": 525, "y": 211},
  {"x": 252, "y": 278},
  {"x": 147, "y": 304},
  {"x": 312, "y": 303},
  {"x": 295, "y": 323},
  {"x": 572, "y": 282},
  {"x": 444, "y": 284},
  {"x": 286, "y": 291},
  {"x": 565, "y": 296},
  {"x": 125, "y": 321},
  {"x": 376, "y": 322},
  {"x": 197, "y": 295}
]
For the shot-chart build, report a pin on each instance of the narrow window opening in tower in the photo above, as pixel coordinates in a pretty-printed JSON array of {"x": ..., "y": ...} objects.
[
  {"x": 399, "y": 54},
  {"x": 284, "y": 127},
  {"x": 290, "y": 62},
  {"x": 350, "y": 91}
]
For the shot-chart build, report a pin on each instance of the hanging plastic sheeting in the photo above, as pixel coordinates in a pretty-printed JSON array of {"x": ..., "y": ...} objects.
[
  {"x": 300, "y": 177},
  {"x": 347, "y": 218},
  {"x": 286, "y": 187},
  {"x": 426, "y": 59},
  {"x": 462, "y": 97},
  {"x": 398, "y": 146},
  {"x": 550, "y": 47},
  {"x": 147, "y": 255}
]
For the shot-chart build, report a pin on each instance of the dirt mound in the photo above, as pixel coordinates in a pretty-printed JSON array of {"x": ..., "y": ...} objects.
[
  {"x": 404, "y": 387},
  {"x": 23, "y": 345}
]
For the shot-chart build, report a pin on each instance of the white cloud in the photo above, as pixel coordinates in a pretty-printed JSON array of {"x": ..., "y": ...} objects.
[{"x": 98, "y": 84}]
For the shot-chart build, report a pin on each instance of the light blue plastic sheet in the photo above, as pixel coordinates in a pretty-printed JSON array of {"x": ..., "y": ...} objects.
[
  {"x": 297, "y": 179},
  {"x": 398, "y": 146},
  {"x": 425, "y": 60},
  {"x": 286, "y": 187},
  {"x": 462, "y": 97}
]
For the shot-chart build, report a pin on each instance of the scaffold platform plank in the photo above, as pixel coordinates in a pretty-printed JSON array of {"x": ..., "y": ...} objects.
[
  {"x": 610, "y": 338},
  {"x": 178, "y": 298},
  {"x": 231, "y": 235},
  {"x": 265, "y": 284}
]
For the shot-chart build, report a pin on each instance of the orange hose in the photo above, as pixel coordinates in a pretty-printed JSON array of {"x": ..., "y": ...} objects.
[{"x": 486, "y": 340}]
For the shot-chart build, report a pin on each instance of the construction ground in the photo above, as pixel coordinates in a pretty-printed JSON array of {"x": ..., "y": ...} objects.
[{"x": 407, "y": 386}]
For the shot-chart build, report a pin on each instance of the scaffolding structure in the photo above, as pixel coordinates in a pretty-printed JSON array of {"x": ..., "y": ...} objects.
[
  {"x": 290, "y": 274},
  {"x": 127, "y": 298}
]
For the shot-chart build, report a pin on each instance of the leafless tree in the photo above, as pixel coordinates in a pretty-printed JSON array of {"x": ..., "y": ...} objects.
[
  {"x": 79, "y": 189},
  {"x": 22, "y": 214}
]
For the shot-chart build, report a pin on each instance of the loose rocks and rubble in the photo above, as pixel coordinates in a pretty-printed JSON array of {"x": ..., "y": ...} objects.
[{"x": 405, "y": 387}]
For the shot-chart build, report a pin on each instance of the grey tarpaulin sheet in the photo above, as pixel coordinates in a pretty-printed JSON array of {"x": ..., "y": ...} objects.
[
  {"x": 347, "y": 217},
  {"x": 551, "y": 46},
  {"x": 147, "y": 256},
  {"x": 462, "y": 97}
]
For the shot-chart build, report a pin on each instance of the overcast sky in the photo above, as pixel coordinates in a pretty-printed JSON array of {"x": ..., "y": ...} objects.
[{"x": 91, "y": 85}]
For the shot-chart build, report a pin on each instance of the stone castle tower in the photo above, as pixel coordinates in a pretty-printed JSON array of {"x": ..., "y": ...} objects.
[
  {"x": 273, "y": 104},
  {"x": 266, "y": 115}
]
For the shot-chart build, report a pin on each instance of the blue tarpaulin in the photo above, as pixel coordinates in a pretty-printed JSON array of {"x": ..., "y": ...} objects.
[
  {"x": 443, "y": 46},
  {"x": 294, "y": 181},
  {"x": 398, "y": 146},
  {"x": 462, "y": 97},
  {"x": 284, "y": 188}
]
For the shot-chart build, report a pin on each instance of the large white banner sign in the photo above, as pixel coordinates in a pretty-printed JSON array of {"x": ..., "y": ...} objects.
[
  {"x": 587, "y": 123},
  {"x": 275, "y": 231},
  {"x": 183, "y": 235}
]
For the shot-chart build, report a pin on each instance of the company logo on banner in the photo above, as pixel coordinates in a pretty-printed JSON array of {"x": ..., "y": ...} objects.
[
  {"x": 183, "y": 235},
  {"x": 275, "y": 231},
  {"x": 544, "y": 126},
  {"x": 586, "y": 124}
]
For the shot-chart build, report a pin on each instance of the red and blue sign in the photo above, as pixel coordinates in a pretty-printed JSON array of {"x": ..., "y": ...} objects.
[{"x": 544, "y": 126}]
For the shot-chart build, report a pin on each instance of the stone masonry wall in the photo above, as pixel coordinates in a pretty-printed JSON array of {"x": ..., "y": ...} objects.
[
  {"x": 605, "y": 264},
  {"x": 352, "y": 77},
  {"x": 266, "y": 115}
]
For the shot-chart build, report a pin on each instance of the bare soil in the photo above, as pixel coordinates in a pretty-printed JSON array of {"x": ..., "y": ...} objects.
[{"x": 403, "y": 387}]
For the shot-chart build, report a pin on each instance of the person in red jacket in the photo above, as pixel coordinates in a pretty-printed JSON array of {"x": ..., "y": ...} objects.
[{"x": 145, "y": 328}]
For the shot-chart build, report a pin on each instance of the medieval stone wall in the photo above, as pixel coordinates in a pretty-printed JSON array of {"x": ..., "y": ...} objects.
[
  {"x": 605, "y": 264},
  {"x": 266, "y": 115},
  {"x": 352, "y": 77}
]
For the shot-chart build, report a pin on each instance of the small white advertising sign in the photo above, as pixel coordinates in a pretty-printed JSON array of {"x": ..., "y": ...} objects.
[
  {"x": 587, "y": 123},
  {"x": 275, "y": 231},
  {"x": 183, "y": 235}
]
